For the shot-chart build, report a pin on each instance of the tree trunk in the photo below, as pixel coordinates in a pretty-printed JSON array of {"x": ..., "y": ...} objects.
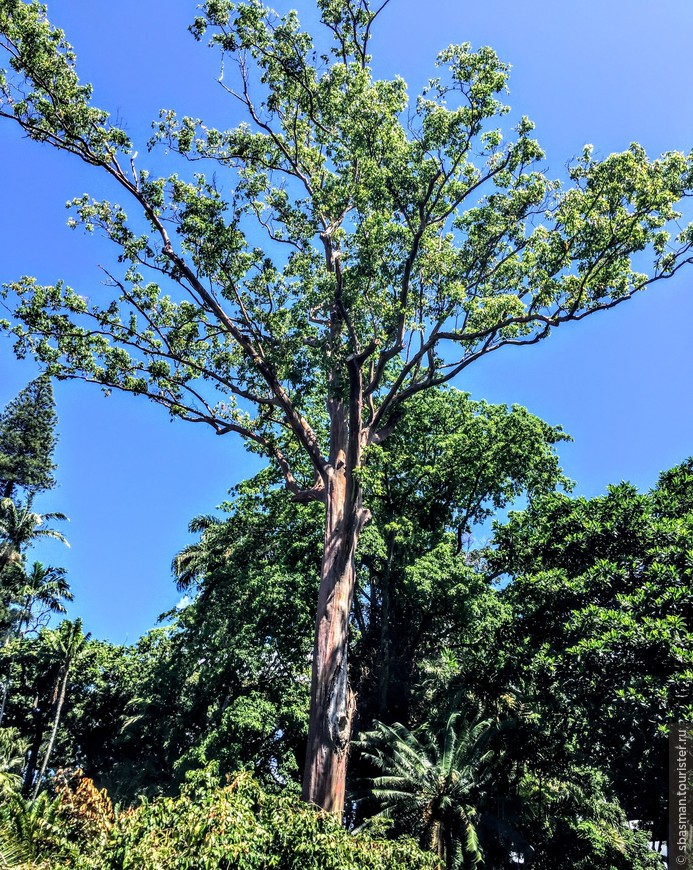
[
  {"x": 54, "y": 730},
  {"x": 332, "y": 700},
  {"x": 384, "y": 646},
  {"x": 38, "y": 719},
  {"x": 5, "y": 691}
]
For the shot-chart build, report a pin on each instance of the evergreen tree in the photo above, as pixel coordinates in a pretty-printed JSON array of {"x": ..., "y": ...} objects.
[
  {"x": 601, "y": 639},
  {"x": 27, "y": 439}
]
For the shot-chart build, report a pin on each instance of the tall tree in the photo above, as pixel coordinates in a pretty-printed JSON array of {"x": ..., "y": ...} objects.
[
  {"x": 68, "y": 642},
  {"x": 40, "y": 595},
  {"x": 402, "y": 245},
  {"x": 230, "y": 684},
  {"x": 27, "y": 439},
  {"x": 448, "y": 467}
]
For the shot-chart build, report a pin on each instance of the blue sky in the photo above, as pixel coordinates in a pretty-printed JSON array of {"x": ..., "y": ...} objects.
[{"x": 606, "y": 73}]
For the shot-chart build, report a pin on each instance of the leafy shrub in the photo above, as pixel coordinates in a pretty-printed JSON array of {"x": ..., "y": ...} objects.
[
  {"x": 208, "y": 827},
  {"x": 240, "y": 827},
  {"x": 87, "y": 811}
]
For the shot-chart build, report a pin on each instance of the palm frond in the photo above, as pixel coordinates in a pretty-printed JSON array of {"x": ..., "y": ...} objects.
[{"x": 429, "y": 785}]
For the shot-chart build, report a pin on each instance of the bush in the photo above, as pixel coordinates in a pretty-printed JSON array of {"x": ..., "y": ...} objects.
[{"x": 211, "y": 827}]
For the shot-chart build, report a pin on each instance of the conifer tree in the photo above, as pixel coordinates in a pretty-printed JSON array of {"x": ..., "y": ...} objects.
[{"x": 27, "y": 439}]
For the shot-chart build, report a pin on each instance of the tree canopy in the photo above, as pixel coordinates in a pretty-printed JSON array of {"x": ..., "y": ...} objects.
[
  {"x": 602, "y": 596},
  {"x": 345, "y": 232}
]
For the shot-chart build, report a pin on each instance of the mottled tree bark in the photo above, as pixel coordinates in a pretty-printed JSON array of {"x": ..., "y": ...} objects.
[{"x": 332, "y": 700}]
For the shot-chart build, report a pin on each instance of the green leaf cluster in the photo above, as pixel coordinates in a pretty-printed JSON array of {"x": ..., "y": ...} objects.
[{"x": 602, "y": 636}]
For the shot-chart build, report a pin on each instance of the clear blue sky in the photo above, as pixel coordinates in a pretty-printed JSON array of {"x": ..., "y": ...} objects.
[{"x": 607, "y": 73}]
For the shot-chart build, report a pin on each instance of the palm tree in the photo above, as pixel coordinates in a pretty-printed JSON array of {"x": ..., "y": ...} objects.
[
  {"x": 69, "y": 644},
  {"x": 39, "y": 597},
  {"x": 432, "y": 787},
  {"x": 193, "y": 561},
  {"x": 12, "y": 752},
  {"x": 20, "y": 527}
]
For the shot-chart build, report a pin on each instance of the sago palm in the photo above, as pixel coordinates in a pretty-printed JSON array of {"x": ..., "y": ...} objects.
[{"x": 432, "y": 786}]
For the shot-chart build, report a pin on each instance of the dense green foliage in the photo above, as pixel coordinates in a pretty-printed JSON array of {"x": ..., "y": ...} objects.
[
  {"x": 577, "y": 657},
  {"x": 240, "y": 827},
  {"x": 449, "y": 466},
  {"x": 575, "y": 661},
  {"x": 604, "y": 629},
  {"x": 208, "y": 827}
]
